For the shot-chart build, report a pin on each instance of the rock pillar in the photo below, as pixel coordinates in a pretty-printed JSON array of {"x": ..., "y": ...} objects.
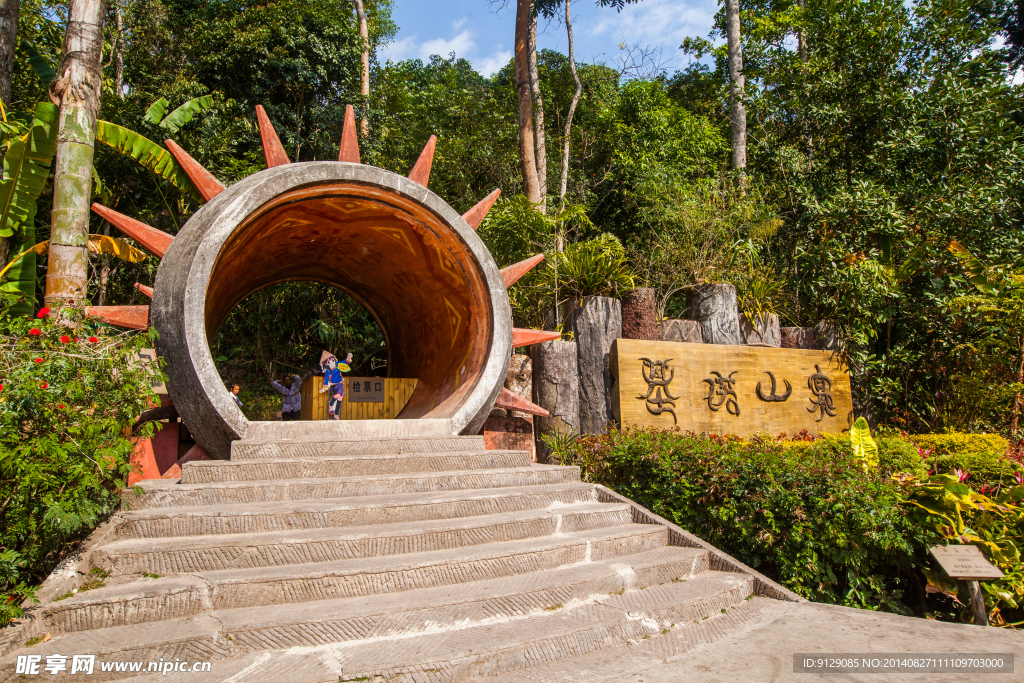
[
  {"x": 765, "y": 330},
  {"x": 595, "y": 325},
  {"x": 681, "y": 331},
  {"x": 639, "y": 315},
  {"x": 714, "y": 307},
  {"x": 556, "y": 389}
]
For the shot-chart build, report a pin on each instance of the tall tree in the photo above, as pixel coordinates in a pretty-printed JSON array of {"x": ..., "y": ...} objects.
[
  {"x": 10, "y": 10},
  {"x": 566, "y": 138},
  {"x": 527, "y": 151},
  {"x": 539, "y": 138},
  {"x": 737, "y": 106},
  {"x": 77, "y": 92},
  {"x": 364, "y": 74}
]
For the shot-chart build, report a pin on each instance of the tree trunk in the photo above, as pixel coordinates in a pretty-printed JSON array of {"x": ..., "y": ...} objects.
[
  {"x": 9, "y": 12},
  {"x": 101, "y": 296},
  {"x": 555, "y": 388},
  {"x": 572, "y": 110},
  {"x": 639, "y": 320},
  {"x": 539, "y": 139},
  {"x": 595, "y": 324},
  {"x": 801, "y": 38},
  {"x": 527, "y": 153},
  {"x": 77, "y": 92},
  {"x": 714, "y": 307},
  {"x": 736, "y": 88},
  {"x": 364, "y": 74},
  {"x": 119, "y": 56}
]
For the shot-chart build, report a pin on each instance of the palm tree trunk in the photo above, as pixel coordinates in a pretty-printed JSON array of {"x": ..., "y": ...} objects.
[
  {"x": 77, "y": 92},
  {"x": 364, "y": 74},
  {"x": 527, "y": 153},
  {"x": 119, "y": 55},
  {"x": 737, "y": 83},
  {"x": 564, "y": 183},
  {"x": 539, "y": 139},
  {"x": 10, "y": 10}
]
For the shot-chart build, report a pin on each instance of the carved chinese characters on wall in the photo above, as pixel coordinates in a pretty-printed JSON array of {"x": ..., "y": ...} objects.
[
  {"x": 658, "y": 375},
  {"x": 723, "y": 389}
]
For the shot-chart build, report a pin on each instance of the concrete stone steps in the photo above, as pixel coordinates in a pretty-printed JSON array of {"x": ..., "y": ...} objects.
[
  {"x": 247, "y": 518},
  {"x": 343, "y": 589},
  {"x": 167, "y": 493},
  {"x": 180, "y": 555},
  {"x": 315, "y": 447},
  {"x": 208, "y": 471},
  {"x": 455, "y": 655},
  {"x": 431, "y": 635},
  {"x": 612, "y": 664}
]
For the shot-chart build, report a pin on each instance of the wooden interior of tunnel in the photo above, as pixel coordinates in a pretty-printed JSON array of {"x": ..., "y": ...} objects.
[
  {"x": 397, "y": 248},
  {"x": 409, "y": 270}
]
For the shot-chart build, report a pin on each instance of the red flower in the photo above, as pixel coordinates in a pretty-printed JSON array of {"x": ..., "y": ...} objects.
[
  {"x": 39, "y": 360},
  {"x": 43, "y": 312},
  {"x": 93, "y": 339},
  {"x": 61, "y": 406},
  {"x": 76, "y": 338},
  {"x": 1, "y": 387},
  {"x": 44, "y": 385},
  {"x": 64, "y": 339},
  {"x": 35, "y": 332}
]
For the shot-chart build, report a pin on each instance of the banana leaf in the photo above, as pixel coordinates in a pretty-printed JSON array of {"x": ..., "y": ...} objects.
[
  {"x": 97, "y": 244},
  {"x": 26, "y": 170},
  {"x": 183, "y": 114},
  {"x": 156, "y": 111},
  {"x": 864, "y": 447},
  {"x": 146, "y": 152},
  {"x": 43, "y": 70}
]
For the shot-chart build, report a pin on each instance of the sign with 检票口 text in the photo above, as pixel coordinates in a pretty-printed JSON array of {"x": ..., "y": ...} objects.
[
  {"x": 365, "y": 389},
  {"x": 722, "y": 389},
  {"x": 965, "y": 562}
]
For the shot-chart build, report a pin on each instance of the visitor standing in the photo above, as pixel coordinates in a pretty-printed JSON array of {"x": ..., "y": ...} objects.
[
  {"x": 234, "y": 394},
  {"x": 290, "y": 389}
]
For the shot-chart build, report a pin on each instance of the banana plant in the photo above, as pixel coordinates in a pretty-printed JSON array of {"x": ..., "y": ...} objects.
[
  {"x": 173, "y": 122},
  {"x": 864, "y": 447},
  {"x": 98, "y": 244},
  {"x": 26, "y": 169}
]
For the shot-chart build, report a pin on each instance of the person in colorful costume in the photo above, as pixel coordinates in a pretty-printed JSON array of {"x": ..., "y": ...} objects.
[{"x": 333, "y": 381}]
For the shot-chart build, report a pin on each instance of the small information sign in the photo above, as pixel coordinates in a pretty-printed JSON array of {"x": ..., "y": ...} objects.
[
  {"x": 965, "y": 562},
  {"x": 365, "y": 389},
  {"x": 149, "y": 359}
]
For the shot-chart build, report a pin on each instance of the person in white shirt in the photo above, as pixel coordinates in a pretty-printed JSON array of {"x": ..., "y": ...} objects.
[{"x": 290, "y": 389}]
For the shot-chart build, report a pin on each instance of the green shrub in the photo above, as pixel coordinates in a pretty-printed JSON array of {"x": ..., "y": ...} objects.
[
  {"x": 962, "y": 444},
  {"x": 803, "y": 513},
  {"x": 806, "y": 514},
  {"x": 64, "y": 404}
]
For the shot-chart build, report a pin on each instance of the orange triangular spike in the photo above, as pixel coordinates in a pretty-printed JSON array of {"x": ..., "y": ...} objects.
[
  {"x": 521, "y": 337},
  {"x": 509, "y": 401},
  {"x": 517, "y": 270},
  {"x": 152, "y": 239},
  {"x": 349, "y": 140},
  {"x": 204, "y": 181},
  {"x": 475, "y": 216},
  {"x": 272, "y": 149},
  {"x": 420, "y": 173},
  {"x": 148, "y": 291},
  {"x": 132, "y": 317}
]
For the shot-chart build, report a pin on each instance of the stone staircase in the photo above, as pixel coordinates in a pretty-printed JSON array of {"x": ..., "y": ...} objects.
[{"x": 382, "y": 559}]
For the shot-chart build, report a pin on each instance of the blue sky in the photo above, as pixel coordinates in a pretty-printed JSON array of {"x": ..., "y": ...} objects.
[{"x": 481, "y": 32}]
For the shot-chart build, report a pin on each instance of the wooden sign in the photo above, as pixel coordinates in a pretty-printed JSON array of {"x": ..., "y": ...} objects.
[
  {"x": 965, "y": 562},
  {"x": 722, "y": 389},
  {"x": 365, "y": 389},
  {"x": 397, "y": 392},
  {"x": 148, "y": 359}
]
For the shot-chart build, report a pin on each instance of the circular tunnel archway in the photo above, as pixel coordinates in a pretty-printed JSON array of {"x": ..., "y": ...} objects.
[{"x": 392, "y": 244}]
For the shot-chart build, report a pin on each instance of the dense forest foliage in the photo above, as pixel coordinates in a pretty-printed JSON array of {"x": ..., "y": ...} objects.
[{"x": 879, "y": 133}]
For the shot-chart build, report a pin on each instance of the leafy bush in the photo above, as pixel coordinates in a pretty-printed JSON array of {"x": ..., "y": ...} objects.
[
  {"x": 808, "y": 515},
  {"x": 962, "y": 444},
  {"x": 66, "y": 397},
  {"x": 981, "y": 456}
]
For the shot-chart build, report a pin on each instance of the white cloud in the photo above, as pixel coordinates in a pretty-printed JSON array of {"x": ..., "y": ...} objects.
[
  {"x": 488, "y": 66},
  {"x": 461, "y": 45},
  {"x": 653, "y": 22}
]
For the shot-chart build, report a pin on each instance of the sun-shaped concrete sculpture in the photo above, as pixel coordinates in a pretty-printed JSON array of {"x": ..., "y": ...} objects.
[{"x": 395, "y": 246}]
